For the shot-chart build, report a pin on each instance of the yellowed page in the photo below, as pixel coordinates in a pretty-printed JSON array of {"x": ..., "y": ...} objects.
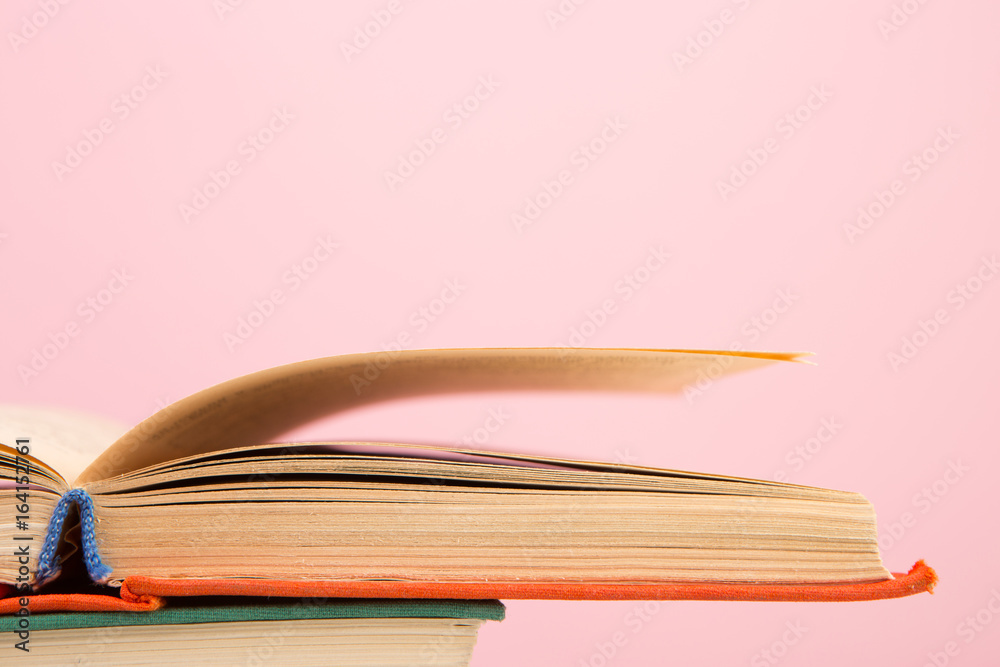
[
  {"x": 67, "y": 439},
  {"x": 256, "y": 408}
]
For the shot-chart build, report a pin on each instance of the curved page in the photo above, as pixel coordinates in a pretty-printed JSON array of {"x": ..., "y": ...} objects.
[{"x": 256, "y": 408}]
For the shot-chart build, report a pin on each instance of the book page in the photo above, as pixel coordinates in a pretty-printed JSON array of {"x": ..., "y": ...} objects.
[
  {"x": 310, "y": 466},
  {"x": 256, "y": 408},
  {"x": 66, "y": 440}
]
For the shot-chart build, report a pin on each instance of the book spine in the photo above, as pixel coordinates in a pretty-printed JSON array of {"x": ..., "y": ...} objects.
[{"x": 48, "y": 561}]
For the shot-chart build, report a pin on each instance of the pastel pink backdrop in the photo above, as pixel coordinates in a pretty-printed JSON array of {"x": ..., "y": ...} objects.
[{"x": 672, "y": 130}]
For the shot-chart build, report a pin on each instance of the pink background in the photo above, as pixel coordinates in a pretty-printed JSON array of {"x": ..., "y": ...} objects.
[{"x": 780, "y": 241}]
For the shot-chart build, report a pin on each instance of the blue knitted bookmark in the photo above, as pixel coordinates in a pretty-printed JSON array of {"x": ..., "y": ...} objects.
[{"x": 48, "y": 561}]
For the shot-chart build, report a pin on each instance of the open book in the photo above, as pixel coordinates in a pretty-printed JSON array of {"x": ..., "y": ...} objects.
[{"x": 197, "y": 500}]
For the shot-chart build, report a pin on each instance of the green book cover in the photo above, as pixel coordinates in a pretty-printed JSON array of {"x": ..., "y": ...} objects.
[{"x": 269, "y": 610}]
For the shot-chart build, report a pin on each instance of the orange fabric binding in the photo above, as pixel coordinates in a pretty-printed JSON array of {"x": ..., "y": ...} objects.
[
  {"x": 919, "y": 579},
  {"x": 147, "y": 593},
  {"x": 81, "y": 602}
]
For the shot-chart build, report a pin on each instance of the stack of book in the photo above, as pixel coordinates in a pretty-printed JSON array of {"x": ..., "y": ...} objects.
[
  {"x": 255, "y": 631},
  {"x": 202, "y": 537}
]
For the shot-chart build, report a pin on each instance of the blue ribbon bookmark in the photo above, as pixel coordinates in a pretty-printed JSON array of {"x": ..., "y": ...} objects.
[{"x": 48, "y": 562}]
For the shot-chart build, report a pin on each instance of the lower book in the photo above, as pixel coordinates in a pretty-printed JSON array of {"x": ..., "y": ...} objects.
[{"x": 257, "y": 631}]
